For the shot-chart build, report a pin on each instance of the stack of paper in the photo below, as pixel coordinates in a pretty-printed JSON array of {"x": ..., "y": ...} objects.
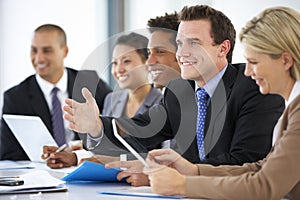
[{"x": 36, "y": 181}]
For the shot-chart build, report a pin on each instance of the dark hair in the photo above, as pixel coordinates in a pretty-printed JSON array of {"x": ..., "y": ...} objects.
[
  {"x": 52, "y": 27},
  {"x": 137, "y": 41},
  {"x": 221, "y": 26},
  {"x": 168, "y": 23}
]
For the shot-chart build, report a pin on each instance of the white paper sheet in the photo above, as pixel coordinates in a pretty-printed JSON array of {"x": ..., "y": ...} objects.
[{"x": 38, "y": 179}]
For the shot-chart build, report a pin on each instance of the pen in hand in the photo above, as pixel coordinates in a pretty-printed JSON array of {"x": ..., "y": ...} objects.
[{"x": 61, "y": 148}]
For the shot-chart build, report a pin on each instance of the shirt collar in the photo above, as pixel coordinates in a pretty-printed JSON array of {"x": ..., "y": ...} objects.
[
  {"x": 47, "y": 87},
  {"x": 294, "y": 93},
  {"x": 211, "y": 85}
]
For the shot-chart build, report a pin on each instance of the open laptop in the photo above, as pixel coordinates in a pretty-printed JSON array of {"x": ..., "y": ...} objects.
[{"x": 31, "y": 133}]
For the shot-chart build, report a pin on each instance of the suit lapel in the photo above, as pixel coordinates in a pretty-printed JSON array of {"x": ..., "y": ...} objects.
[
  {"x": 149, "y": 100},
  {"x": 223, "y": 90},
  {"x": 71, "y": 80},
  {"x": 38, "y": 103},
  {"x": 119, "y": 100},
  {"x": 216, "y": 116}
]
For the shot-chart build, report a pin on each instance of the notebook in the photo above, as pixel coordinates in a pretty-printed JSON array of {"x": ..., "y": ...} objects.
[{"x": 31, "y": 133}]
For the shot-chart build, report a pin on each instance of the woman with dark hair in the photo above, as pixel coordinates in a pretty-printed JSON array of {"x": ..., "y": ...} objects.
[{"x": 131, "y": 73}]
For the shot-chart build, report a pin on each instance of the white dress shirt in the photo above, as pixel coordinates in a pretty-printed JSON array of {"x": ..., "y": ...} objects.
[
  {"x": 294, "y": 93},
  {"x": 62, "y": 94}
]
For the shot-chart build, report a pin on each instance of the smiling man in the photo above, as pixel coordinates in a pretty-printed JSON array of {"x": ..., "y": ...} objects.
[
  {"x": 162, "y": 61},
  {"x": 33, "y": 96}
]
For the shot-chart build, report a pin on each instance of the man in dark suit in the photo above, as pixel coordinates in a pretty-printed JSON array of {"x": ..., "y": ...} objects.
[
  {"x": 239, "y": 121},
  {"x": 33, "y": 95}
]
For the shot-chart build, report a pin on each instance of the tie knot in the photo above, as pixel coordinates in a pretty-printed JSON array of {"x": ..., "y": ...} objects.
[
  {"x": 202, "y": 95},
  {"x": 54, "y": 91}
]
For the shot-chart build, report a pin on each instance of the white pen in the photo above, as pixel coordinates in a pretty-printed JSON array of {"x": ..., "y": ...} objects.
[
  {"x": 132, "y": 150},
  {"x": 61, "y": 148}
]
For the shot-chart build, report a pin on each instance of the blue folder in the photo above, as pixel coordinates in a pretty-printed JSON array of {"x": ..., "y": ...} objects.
[{"x": 91, "y": 171}]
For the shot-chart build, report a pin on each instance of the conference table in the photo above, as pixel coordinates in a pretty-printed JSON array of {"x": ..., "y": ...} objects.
[{"x": 75, "y": 191}]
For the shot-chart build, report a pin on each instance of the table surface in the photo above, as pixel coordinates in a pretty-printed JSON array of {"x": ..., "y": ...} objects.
[{"x": 76, "y": 191}]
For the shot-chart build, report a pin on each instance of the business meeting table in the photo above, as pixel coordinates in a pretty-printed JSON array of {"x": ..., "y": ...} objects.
[{"x": 75, "y": 191}]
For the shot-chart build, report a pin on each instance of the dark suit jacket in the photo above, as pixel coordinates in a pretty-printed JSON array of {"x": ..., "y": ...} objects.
[
  {"x": 239, "y": 123},
  {"x": 275, "y": 177},
  {"x": 27, "y": 99}
]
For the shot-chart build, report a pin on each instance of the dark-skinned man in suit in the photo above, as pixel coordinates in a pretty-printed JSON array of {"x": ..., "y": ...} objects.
[{"x": 33, "y": 95}]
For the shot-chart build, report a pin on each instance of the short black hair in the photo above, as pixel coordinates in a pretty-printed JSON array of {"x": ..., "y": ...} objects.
[
  {"x": 168, "y": 23},
  {"x": 53, "y": 27}
]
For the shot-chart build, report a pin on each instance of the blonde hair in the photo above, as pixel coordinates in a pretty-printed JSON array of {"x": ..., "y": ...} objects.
[{"x": 274, "y": 31}]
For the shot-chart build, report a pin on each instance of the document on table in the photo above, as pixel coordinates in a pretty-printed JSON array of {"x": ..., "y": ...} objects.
[
  {"x": 91, "y": 171},
  {"x": 36, "y": 181},
  {"x": 143, "y": 191},
  {"x": 9, "y": 164}
]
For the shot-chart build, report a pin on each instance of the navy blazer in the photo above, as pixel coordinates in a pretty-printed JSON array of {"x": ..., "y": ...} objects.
[
  {"x": 27, "y": 98},
  {"x": 239, "y": 123}
]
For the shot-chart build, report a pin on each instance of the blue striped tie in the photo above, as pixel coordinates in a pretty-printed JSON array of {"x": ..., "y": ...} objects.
[
  {"x": 57, "y": 119},
  {"x": 202, "y": 99}
]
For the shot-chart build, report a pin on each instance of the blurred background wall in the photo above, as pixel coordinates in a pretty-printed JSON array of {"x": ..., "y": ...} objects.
[{"x": 90, "y": 23}]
